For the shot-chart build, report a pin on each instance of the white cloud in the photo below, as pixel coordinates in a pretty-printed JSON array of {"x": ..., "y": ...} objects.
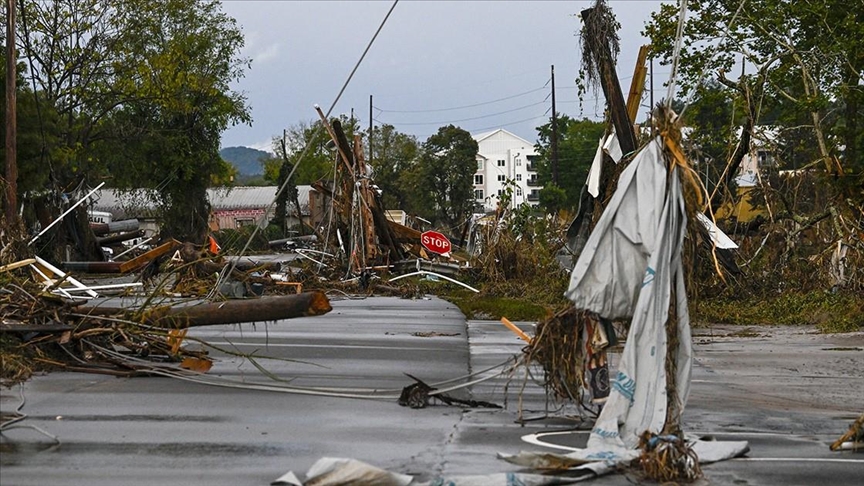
[{"x": 270, "y": 52}]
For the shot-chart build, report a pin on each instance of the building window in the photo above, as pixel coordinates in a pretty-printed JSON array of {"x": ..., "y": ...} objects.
[
  {"x": 500, "y": 192},
  {"x": 502, "y": 178},
  {"x": 239, "y": 223},
  {"x": 479, "y": 165},
  {"x": 501, "y": 162},
  {"x": 518, "y": 162},
  {"x": 518, "y": 177},
  {"x": 478, "y": 179},
  {"x": 518, "y": 191},
  {"x": 478, "y": 194}
]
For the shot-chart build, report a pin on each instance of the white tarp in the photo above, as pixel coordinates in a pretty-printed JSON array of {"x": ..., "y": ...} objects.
[
  {"x": 593, "y": 181},
  {"x": 628, "y": 268},
  {"x": 718, "y": 237}
]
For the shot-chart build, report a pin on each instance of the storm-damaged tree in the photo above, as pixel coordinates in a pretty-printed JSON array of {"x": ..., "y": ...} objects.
[
  {"x": 441, "y": 183},
  {"x": 801, "y": 83},
  {"x": 142, "y": 95},
  {"x": 808, "y": 57},
  {"x": 308, "y": 147},
  {"x": 392, "y": 153}
]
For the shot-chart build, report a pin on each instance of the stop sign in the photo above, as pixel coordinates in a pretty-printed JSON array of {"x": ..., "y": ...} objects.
[{"x": 435, "y": 242}]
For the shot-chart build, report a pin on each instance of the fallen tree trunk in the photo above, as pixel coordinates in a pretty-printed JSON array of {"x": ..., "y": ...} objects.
[{"x": 271, "y": 308}]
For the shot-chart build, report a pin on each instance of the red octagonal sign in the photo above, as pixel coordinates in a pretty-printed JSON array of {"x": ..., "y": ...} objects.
[{"x": 435, "y": 242}]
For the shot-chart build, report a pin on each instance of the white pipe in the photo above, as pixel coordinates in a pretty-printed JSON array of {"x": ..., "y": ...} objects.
[
  {"x": 105, "y": 287},
  {"x": 60, "y": 273},
  {"x": 134, "y": 247},
  {"x": 424, "y": 272},
  {"x": 65, "y": 213}
]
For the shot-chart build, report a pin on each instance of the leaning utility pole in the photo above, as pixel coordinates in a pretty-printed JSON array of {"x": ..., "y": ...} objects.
[
  {"x": 11, "y": 127},
  {"x": 554, "y": 133},
  {"x": 370, "y": 129}
]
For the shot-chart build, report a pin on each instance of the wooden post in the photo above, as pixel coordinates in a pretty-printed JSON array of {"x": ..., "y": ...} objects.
[
  {"x": 637, "y": 85},
  {"x": 554, "y": 133},
  {"x": 11, "y": 117}
]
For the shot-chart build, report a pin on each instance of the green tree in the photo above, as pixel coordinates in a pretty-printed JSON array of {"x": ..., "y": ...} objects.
[
  {"x": 392, "y": 153},
  {"x": 577, "y": 144},
  {"x": 311, "y": 142},
  {"x": 142, "y": 91},
  {"x": 713, "y": 119},
  {"x": 37, "y": 128},
  {"x": 442, "y": 182},
  {"x": 807, "y": 54}
]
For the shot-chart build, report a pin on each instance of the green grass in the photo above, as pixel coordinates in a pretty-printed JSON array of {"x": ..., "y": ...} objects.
[{"x": 830, "y": 313}]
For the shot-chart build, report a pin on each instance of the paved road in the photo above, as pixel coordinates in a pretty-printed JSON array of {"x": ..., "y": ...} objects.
[{"x": 789, "y": 393}]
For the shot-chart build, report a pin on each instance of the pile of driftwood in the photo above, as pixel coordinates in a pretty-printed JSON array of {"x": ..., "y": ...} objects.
[{"x": 50, "y": 319}]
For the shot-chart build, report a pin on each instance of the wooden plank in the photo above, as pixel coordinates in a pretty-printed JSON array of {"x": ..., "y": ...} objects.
[
  {"x": 144, "y": 258},
  {"x": 637, "y": 84},
  {"x": 13, "y": 266}
]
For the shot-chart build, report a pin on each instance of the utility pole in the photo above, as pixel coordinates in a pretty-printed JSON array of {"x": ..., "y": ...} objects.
[
  {"x": 370, "y": 129},
  {"x": 554, "y": 133},
  {"x": 11, "y": 127}
]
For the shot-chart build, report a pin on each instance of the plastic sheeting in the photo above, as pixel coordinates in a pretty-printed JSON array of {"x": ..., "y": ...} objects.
[
  {"x": 331, "y": 471},
  {"x": 629, "y": 266}
]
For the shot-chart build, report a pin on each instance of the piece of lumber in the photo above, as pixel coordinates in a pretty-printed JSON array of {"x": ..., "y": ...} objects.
[{"x": 13, "y": 266}]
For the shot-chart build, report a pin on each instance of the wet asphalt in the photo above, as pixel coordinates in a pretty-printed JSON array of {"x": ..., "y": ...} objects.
[{"x": 788, "y": 391}]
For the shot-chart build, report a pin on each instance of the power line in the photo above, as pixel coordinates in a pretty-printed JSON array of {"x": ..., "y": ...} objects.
[
  {"x": 441, "y": 123},
  {"x": 382, "y": 110}
]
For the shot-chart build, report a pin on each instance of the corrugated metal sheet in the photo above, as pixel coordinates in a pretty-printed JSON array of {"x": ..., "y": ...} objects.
[{"x": 136, "y": 203}]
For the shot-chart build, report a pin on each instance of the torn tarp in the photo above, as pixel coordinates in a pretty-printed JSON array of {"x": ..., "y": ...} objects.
[
  {"x": 330, "y": 471},
  {"x": 628, "y": 269}
]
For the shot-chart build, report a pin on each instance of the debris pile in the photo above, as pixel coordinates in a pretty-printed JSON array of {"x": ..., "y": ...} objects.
[{"x": 51, "y": 320}]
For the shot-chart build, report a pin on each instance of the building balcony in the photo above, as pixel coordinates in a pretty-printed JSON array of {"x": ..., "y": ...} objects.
[
  {"x": 531, "y": 167},
  {"x": 533, "y": 183},
  {"x": 533, "y": 196}
]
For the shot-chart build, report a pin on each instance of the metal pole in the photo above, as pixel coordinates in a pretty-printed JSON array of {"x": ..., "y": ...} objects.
[{"x": 60, "y": 218}]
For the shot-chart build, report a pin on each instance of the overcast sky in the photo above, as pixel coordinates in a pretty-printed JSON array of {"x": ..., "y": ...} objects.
[{"x": 480, "y": 65}]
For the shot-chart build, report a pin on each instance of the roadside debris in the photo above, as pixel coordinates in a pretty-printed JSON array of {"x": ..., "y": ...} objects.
[
  {"x": 419, "y": 395},
  {"x": 853, "y": 439}
]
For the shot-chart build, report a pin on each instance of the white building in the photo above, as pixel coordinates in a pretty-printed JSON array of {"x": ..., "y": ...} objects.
[{"x": 503, "y": 157}]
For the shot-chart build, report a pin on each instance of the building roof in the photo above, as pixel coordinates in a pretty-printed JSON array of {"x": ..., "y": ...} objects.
[
  {"x": 137, "y": 203},
  {"x": 500, "y": 133}
]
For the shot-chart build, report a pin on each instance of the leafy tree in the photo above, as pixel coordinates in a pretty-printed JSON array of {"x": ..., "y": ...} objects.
[
  {"x": 317, "y": 160},
  {"x": 392, "y": 153},
  {"x": 36, "y": 126},
  {"x": 713, "y": 120},
  {"x": 807, "y": 54},
  {"x": 442, "y": 182},
  {"x": 143, "y": 94},
  {"x": 577, "y": 143}
]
